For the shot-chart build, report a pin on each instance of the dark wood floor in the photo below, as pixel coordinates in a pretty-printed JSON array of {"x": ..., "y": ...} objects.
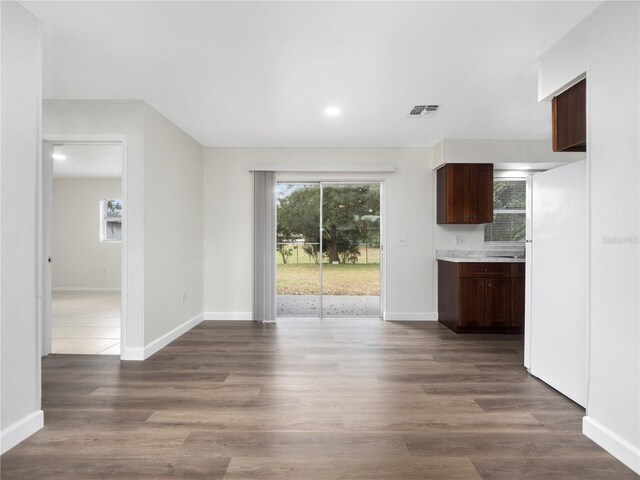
[{"x": 309, "y": 400}]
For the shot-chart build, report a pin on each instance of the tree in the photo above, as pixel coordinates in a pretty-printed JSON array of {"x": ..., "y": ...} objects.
[
  {"x": 299, "y": 217},
  {"x": 284, "y": 249},
  {"x": 509, "y": 200},
  {"x": 351, "y": 215},
  {"x": 114, "y": 208},
  {"x": 349, "y": 212}
]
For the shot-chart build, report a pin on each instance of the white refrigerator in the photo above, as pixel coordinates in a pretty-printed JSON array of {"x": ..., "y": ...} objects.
[{"x": 556, "y": 279}]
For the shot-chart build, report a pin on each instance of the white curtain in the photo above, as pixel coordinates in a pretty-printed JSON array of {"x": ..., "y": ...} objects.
[{"x": 264, "y": 246}]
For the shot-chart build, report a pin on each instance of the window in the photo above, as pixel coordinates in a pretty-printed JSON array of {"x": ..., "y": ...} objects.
[
  {"x": 111, "y": 220},
  {"x": 509, "y": 211}
]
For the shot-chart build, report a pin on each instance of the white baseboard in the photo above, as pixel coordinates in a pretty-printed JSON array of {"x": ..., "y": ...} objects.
[
  {"x": 21, "y": 430},
  {"x": 411, "y": 316},
  {"x": 163, "y": 341},
  {"x": 228, "y": 315},
  {"x": 84, "y": 289},
  {"x": 132, "y": 354},
  {"x": 612, "y": 443},
  {"x": 169, "y": 337}
]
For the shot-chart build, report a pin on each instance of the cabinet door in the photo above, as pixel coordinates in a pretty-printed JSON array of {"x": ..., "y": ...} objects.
[
  {"x": 569, "y": 119},
  {"x": 481, "y": 193},
  {"x": 472, "y": 302},
  {"x": 517, "y": 301},
  {"x": 456, "y": 187},
  {"x": 465, "y": 193},
  {"x": 498, "y": 302}
]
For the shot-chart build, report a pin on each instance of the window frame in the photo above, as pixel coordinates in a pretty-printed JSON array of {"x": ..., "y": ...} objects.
[
  {"x": 509, "y": 176},
  {"x": 103, "y": 221}
]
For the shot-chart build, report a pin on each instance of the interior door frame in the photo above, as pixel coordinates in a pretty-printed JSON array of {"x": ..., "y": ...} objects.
[
  {"x": 45, "y": 237},
  {"x": 304, "y": 179}
]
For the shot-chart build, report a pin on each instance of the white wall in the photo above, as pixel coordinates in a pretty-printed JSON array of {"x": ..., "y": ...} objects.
[
  {"x": 86, "y": 118},
  {"x": 606, "y": 47},
  {"x": 228, "y": 233},
  {"x": 173, "y": 226},
  {"x": 21, "y": 98},
  {"x": 80, "y": 259},
  {"x": 162, "y": 186}
]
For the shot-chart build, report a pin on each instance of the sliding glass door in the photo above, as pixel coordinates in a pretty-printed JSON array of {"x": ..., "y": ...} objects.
[
  {"x": 328, "y": 250},
  {"x": 298, "y": 249},
  {"x": 351, "y": 250}
]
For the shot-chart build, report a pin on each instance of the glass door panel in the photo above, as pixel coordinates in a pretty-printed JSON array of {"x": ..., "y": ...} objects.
[
  {"x": 351, "y": 250},
  {"x": 298, "y": 250}
]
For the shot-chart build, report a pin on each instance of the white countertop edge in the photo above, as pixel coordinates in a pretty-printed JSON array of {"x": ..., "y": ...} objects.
[
  {"x": 480, "y": 259},
  {"x": 479, "y": 256}
]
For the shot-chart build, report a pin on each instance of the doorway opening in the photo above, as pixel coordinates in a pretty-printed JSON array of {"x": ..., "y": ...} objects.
[
  {"x": 83, "y": 209},
  {"x": 329, "y": 249}
]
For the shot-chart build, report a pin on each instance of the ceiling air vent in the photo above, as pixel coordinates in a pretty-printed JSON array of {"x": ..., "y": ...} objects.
[{"x": 421, "y": 111}]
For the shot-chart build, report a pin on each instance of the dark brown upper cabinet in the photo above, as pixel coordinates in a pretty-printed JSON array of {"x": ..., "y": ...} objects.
[
  {"x": 465, "y": 193},
  {"x": 569, "y": 118}
]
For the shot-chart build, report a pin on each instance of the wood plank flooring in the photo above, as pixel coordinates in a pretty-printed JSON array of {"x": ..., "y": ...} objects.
[{"x": 359, "y": 399}]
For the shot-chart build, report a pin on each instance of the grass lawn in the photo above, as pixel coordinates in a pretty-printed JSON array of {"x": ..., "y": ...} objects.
[{"x": 343, "y": 279}]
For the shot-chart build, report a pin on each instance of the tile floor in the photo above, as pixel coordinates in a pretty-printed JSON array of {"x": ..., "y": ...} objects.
[{"x": 86, "y": 323}]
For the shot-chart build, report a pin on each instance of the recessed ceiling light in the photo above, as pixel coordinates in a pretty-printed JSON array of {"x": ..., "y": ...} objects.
[
  {"x": 58, "y": 156},
  {"x": 332, "y": 112}
]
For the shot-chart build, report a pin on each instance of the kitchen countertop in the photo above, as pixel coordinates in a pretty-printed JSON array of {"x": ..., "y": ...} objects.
[{"x": 480, "y": 256}]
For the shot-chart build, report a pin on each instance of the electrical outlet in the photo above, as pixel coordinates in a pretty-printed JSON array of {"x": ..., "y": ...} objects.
[
  {"x": 183, "y": 297},
  {"x": 404, "y": 241},
  {"x": 459, "y": 240}
]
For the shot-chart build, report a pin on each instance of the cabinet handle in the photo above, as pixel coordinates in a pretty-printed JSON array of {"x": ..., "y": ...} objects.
[
  {"x": 489, "y": 284},
  {"x": 485, "y": 269}
]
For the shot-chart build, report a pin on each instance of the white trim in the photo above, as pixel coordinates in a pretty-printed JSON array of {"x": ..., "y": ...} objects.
[
  {"x": 587, "y": 280},
  {"x": 612, "y": 443},
  {"x": 132, "y": 354},
  {"x": 159, "y": 343},
  {"x": 170, "y": 336},
  {"x": 411, "y": 316},
  {"x": 382, "y": 307},
  {"x": 82, "y": 138},
  {"x": 85, "y": 289},
  {"x": 45, "y": 247},
  {"x": 321, "y": 168},
  {"x": 45, "y": 323},
  {"x": 223, "y": 316},
  {"x": 381, "y": 182},
  {"x": 21, "y": 430}
]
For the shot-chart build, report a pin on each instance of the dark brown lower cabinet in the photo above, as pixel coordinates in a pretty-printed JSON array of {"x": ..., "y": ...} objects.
[
  {"x": 481, "y": 297},
  {"x": 472, "y": 302},
  {"x": 517, "y": 297}
]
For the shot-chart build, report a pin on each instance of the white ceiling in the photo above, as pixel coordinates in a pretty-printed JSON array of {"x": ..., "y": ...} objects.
[
  {"x": 88, "y": 161},
  {"x": 262, "y": 73}
]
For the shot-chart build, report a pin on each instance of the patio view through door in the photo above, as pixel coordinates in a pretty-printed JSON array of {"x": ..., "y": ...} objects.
[{"x": 328, "y": 249}]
